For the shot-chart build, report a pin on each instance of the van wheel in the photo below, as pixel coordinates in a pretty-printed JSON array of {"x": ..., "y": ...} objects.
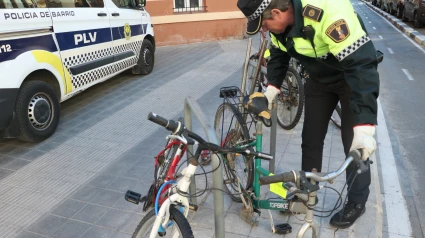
[
  {"x": 146, "y": 59},
  {"x": 416, "y": 22},
  {"x": 37, "y": 111}
]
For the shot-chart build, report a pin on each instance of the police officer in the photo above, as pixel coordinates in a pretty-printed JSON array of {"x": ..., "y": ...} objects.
[{"x": 328, "y": 39}]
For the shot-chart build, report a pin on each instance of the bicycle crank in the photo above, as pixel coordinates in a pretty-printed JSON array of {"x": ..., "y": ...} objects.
[{"x": 247, "y": 212}]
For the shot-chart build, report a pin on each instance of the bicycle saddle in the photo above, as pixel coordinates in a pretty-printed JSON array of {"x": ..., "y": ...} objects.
[{"x": 257, "y": 104}]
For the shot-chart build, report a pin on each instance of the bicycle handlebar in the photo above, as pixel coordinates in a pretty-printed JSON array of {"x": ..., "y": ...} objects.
[
  {"x": 284, "y": 177},
  {"x": 170, "y": 125},
  {"x": 293, "y": 176},
  {"x": 178, "y": 128}
]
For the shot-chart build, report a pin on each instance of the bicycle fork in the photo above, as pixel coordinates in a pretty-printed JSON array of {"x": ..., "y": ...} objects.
[
  {"x": 309, "y": 216},
  {"x": 162, "y": 220}
]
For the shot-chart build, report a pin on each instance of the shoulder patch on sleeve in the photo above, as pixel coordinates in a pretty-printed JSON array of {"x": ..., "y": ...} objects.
[
  {"x": 312, "y": 12},
  {"x": 338, "y": 31}
]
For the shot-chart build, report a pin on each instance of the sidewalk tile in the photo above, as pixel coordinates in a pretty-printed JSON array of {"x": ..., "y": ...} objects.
[
  {"x": 90, "y": 213},
  {"x": 4, "y": 173},
  {"x": 204, "y": 218},
  {"x": 295, "y": 228},
  {"x": 97, "y": 232},
  {"x": 202, "y": 232},
  {"x": 107, "y": 198},
  {"x": 130, "y": 225},
  {"x": 71, "y": 229},
  {"x": 27, "y": 234},
  {"x": 263, "y": 228},
  {"x": 48, "y": 225},
  {"x": 114, "y": 219},
  {"x": 102, "y": 181},
  {"x": 233, "y": 235},
  {"x": 68, "y": 208},
  {"x": 122, "y": 184},
  {"x": 16, "y": 164},
  {"x": 341, "y": 233},
  {"x": 86, "y": 193},
  {"x": 120, "y": 235},
  {"x": 233, "y": 223}
]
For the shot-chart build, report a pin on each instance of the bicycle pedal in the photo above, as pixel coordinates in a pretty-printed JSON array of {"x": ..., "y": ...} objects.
[
  {"x": 193, "y": 207},
  {"x": 283, "y": 229},
  {"x": 134, "y": 197}
]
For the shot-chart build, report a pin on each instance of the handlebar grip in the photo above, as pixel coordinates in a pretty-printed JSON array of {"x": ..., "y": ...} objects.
[
  {"x": 168, "y": 124},
  {"x": 362, "y": 167},
  {"x": 285, "y": 177}
]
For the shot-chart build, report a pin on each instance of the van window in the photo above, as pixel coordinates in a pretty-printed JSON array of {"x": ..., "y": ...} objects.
[
  {"x": 8, "y": 4},
  {"x": 123, "y": 3},
  {"x": 74, "y": 3}
]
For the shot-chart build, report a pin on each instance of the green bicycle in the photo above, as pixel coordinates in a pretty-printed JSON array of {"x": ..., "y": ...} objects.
[{"x": 243, "y": 174}]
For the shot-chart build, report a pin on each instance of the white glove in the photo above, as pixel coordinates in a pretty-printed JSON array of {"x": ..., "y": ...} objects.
[
  {"x": 364, "y": 141},
  {"x": 270, "y": 94}
]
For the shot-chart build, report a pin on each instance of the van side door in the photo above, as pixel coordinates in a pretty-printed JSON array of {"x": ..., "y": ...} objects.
[{"x": 84, "y": 37}]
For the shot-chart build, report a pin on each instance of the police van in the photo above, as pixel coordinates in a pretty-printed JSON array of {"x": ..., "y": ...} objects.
[{"x": 51, "y": 50}]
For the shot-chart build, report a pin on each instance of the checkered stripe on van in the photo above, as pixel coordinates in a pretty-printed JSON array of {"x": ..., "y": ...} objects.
[{"x": 88, "y": 77}]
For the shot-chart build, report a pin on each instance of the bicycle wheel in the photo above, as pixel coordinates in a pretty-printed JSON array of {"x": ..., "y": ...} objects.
[
  {"x": 232, "y": 131},
  {"x": 178, "y": 223},
  {"x": 336, "y": 116},
  {"x": 290, "y": 101}
]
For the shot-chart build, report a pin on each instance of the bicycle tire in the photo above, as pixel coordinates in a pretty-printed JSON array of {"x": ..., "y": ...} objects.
[
  {"x": 336, "y": 116},
  {"x": 289, "y": 97},
  {"x": 242, "y": 134},
  {"x": 144, "y": 228}
]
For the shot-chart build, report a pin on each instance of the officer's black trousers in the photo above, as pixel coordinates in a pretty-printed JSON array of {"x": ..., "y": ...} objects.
[{"x": 320, "y": 101}]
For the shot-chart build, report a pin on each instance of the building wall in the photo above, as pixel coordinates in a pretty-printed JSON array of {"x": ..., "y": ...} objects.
[{"x": 221, "y": 20}]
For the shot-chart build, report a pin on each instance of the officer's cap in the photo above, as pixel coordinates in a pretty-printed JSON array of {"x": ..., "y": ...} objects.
[{"x": 253, "y": 10}]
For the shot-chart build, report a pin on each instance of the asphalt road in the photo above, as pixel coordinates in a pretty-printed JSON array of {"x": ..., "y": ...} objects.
[{"x": 402, "y": 96}]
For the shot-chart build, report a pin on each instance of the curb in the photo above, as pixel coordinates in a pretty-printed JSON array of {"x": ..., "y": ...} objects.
[{"x": 409, "y": 31}]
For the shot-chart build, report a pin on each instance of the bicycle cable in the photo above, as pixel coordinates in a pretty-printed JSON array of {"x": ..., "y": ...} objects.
[
  {"x": 345, "y": 200},
  {"x": 201, "y": 191},
  {"x": 338, "y": 203}
]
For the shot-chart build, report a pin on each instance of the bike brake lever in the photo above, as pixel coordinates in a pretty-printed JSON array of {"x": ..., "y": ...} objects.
[{"x": 291, "y": 195}]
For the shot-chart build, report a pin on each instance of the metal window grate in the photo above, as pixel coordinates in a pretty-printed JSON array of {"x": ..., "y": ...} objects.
[{"x": 191, "y": 9}]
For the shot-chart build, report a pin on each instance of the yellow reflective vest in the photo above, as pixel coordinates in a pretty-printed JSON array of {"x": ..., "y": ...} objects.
[{"x": 329, "y": 41}]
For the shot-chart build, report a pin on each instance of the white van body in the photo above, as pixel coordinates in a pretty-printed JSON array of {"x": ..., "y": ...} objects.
[{"x": 50, "y": 50}]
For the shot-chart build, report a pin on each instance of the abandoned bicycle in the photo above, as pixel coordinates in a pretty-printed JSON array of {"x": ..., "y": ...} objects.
[{"x": 245, "y": 173}]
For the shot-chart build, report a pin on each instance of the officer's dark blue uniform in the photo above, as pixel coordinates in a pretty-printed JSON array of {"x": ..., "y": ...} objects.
[{"x": 328, "y": 39}]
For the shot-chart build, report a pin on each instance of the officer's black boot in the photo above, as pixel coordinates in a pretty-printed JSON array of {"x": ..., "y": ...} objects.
[{"x": 348, "y": 215}]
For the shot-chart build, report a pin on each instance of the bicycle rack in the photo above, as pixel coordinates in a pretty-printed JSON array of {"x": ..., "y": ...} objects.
[
  {"x": 259, "y": 68},
  {"x": 191, "y": 106}
]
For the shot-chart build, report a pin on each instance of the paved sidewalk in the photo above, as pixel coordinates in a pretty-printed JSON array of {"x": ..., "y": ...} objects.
[{"x": 73, "y": 184}]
